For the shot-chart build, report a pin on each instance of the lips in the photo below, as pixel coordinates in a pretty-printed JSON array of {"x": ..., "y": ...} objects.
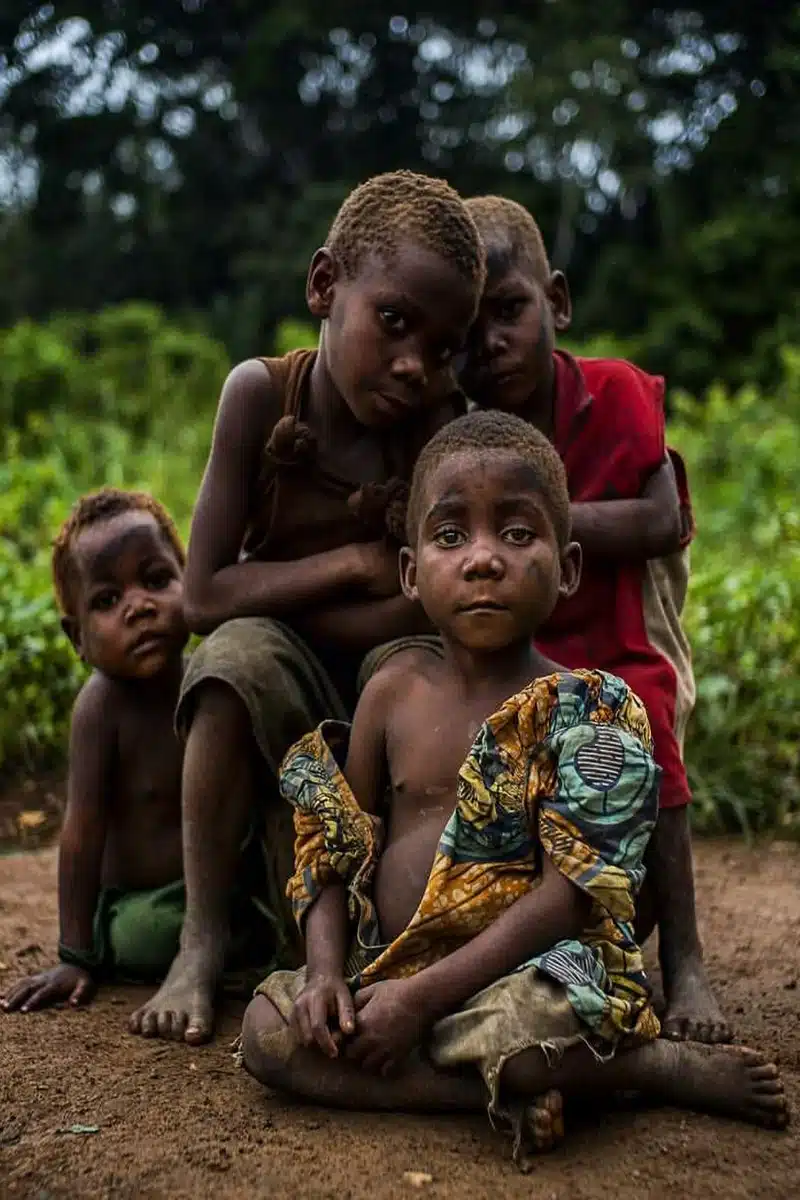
[
  {"x": 395, "y": 405},
  {"x": 481, "y": 606},
  {"x": 146, "y": 643}
]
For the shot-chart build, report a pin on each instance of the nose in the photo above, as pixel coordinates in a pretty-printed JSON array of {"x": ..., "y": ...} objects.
[
  {"x": 484, "y": 561},
  {"x": 494, "y": 340},
  {"x": 409, "y": 367},
  {"x": 139, "y": 603}
]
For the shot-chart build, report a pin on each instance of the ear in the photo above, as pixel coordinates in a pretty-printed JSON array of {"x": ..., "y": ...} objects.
[
  {"x": 322, "y": 275},
  {"x": 72, "y": 630},
  {"x": 571, "y": 562},
  {"x": 560, "y": 301},
  {"x": 408, "y": 573}
]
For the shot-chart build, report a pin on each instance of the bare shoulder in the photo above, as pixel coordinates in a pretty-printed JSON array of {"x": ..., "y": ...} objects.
[
  {"x": 96, "y": 707},
  {"x": 249, "y": 405},
  {"x": 95, "y": 723},
  {"x": 404, "y": 679}
]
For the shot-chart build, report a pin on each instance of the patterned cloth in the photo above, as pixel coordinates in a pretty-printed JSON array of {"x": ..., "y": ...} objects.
[{"x": 564, "y": 767}]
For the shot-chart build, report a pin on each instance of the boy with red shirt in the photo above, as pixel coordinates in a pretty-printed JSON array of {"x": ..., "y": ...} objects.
[{"x": 631, "y": 513}]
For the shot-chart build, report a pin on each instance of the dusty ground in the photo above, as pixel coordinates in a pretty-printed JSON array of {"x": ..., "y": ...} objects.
[{"x": 170, "y": 1121}]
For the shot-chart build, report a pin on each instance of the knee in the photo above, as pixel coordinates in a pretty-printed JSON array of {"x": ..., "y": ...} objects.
[{"x": 267, "y": 1043}]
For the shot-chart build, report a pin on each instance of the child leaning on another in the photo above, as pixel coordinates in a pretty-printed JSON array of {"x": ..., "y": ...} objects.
[
  {"x": 291, "y": 569},
  {"x": 467, "y": 863},
  {"x": 118, "y": 575},
  {"x": 631, "y": 514}
]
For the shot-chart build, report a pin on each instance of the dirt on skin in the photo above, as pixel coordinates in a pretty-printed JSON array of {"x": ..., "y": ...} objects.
[{"x": 87, "y": 1110}]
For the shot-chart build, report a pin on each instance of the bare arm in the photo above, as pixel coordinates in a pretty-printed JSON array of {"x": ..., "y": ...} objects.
[
  {"x": 649, "y": 527},
  {"x": 80, "y": 861},
  {"x": 360, "y": 625},
  {"x": 554, "y": 911},
  {"x": 325, "y": 1001},
  {"x": 83, "y": 834},
  {"x": 217, "y": 586}
]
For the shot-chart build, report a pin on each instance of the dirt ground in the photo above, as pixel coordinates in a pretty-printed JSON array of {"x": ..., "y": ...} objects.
[{"x": 165, "y": 1120}]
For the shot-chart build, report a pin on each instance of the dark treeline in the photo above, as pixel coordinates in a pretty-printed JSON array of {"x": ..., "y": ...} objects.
[{"x": 192, "y": 153}]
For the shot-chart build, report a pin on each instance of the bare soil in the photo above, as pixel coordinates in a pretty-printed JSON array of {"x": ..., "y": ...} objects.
[{"x": 166, "y": 1120}]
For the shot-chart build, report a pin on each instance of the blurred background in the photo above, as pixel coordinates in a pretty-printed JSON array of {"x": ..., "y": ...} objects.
[{"x": 167, "y": 169}]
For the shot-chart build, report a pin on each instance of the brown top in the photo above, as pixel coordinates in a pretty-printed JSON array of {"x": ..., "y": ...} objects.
[{"x": 302, "y": 508}]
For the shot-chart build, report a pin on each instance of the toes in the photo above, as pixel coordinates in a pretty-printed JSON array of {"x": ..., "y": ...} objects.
[
  {"x": 149, "y": 1025},
  {"x": 164, "y": 1022},
  {"x": 179, "y": 1023},
  {"x": 674, "y": 1030},
  {"x": 198, "y": 1030}
]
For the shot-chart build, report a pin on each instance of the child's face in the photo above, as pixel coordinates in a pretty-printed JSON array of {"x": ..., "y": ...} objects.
[
  {"x": 510, "y": 351},
  {"x": 130, "y": 622},
  {"x": 391, "y": 332},
  {"x": 487, "y": 567}
]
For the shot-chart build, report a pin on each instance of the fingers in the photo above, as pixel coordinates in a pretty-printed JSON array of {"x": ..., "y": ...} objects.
[
  {"x": 82, "y": 992},
  {"x": 320, "y": 1032},
  {"x": 41, "y": 996},
  {"x": 363, "y": 996},
  {"x": 19, "y": 994},
  {"x": 345, "y": 1010}
]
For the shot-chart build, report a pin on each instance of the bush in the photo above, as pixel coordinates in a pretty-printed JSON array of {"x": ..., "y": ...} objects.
[
  {"x": 125, "y": 398},
  {"x": 742, "y": 615}
]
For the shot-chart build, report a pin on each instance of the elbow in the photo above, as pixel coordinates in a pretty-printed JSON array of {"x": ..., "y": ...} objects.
[
  {"x": 665, "y": 533},
  {"x": 198, "y": 612}
]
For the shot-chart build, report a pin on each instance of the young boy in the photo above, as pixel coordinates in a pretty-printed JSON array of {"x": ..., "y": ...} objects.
[
  {"x": 118, "y": 575},
  {"x": 290, "y": 568},
  {"x": 606, "y": 419},
  {"x": 482, "y": 949}
]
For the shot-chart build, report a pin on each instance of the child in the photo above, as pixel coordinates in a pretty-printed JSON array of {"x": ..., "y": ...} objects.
[
  {"x": 606, "y": 419},
  {"x": 489, "y": 942},
  {"x": 290, "y": 568},
  {"x": 118, "y": 575}
]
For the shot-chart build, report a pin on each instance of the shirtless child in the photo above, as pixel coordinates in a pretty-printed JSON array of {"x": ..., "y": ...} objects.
[
  {"x": 292, "y": 570},
  {"x": 118, "y": 575},
  {"x": 483, "y": 954}
]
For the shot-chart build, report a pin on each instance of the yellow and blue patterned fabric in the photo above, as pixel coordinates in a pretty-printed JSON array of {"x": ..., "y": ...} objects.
[{"x": 564, "y": 768}]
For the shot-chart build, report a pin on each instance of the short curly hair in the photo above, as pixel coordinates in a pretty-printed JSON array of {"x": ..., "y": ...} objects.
[
  {"x": 388, "y": 209},
  {"x": 488, "y": 432},
  {"x": 91, "y": 510},
  {"x": 511, "y": 236}
]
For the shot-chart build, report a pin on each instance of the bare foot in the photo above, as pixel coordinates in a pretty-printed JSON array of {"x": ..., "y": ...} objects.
[
  {"x": 731, "y": 1081},
  {"x": 182, "y": 1008},
  {"x": 693, "y": 1014},
  {"x": 538, "y": 1129}
]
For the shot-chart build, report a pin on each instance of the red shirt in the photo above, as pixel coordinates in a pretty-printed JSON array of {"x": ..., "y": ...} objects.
[{"x": 609, "y": 432}]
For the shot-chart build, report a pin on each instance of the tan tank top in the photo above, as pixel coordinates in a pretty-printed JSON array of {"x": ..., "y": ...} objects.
[{"x": 303, "y": 509}]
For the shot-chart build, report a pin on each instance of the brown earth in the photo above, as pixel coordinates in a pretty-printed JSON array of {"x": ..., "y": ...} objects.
[{"x": 170, "y": 1121}]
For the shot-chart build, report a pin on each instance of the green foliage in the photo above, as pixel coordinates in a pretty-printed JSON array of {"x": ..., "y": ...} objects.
[
  {"x": 132, "y": 404},
  {"x": 742, "y": 614},
  {"x": 123, "y": 399}
]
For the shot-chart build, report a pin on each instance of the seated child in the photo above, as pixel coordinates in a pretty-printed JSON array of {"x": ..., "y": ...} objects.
[
  {"x": 291, "y": 567},
  {"x": 631, "y": 514},
  {"x": 118, "y": 575},
  {"x": 466, "y": 882}
]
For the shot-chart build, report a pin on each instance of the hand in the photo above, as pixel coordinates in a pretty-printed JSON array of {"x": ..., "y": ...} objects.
[
  {"x": 63, "y": 982},
  {"x": 389, "y": 1023},
  {"x": 379, "y": 569},
  {"x": 324, "y": 999}
]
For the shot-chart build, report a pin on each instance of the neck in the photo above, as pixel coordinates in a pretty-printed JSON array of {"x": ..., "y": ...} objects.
[
  {"x": 162, "y": 688},
  {"x": 328, "y": 413},
  {"x": 496, "y": 673}
]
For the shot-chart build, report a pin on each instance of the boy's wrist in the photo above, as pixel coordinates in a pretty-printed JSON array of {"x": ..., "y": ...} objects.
[{"x": 90, "y": 961}]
